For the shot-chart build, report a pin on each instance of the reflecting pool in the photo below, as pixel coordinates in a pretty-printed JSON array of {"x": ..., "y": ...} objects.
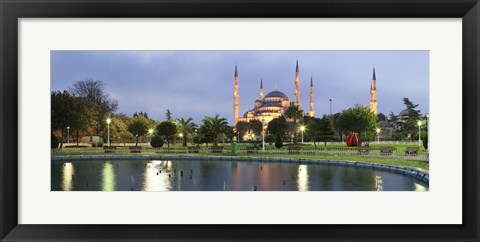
[{"x": 205, "y": 175}]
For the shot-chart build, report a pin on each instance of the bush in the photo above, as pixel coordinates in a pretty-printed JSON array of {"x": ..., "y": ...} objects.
[
  {"x": 270, "y": 139},
  {"x": 97, "y": 144},
  {"x": 425, "y": 141},
  {"x": 54, "y": 144},
  {"x": 279, "y": 142},
  {"x": 156, "y": 141}
]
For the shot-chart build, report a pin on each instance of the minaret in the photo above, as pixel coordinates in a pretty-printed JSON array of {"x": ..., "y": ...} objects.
[
  {"x": 373, "y": 93},
  {"x": 235, "y": 97},
  {"x": 297, "y": 87},
  {"x": 312, "y": 112},
  {"x": 261, "y": 89}
]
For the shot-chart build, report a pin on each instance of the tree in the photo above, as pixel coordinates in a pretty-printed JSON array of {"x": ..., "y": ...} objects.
[
  {"x": 86, "y": 113},
  {"x": 62, "y": 112},
  {"x": 168, "y": 130},
  {"x": 54, "y": 141},
  {"x": 138, "y": 127},
  {"x": 337, "y": 126},
  {"x": 145, "y": 114},
  {"x": 313, "y": 130},
  {"x": 125, "y": 135},
  {"x": 93, "y": 91},
  {"x": 256, "y": 126},
  {"x": 205, "y": 134},
  {"x": 69, "y": 111},
  {"x": 230, "y": 133},
  {"x": 119, "y": 127},
  {"x": 425, "y": 141},
  {"x": 185, "y": 127},
  {"x": 407, "y": 122},
  {"x": 198, "y": 139},
  {"x": 358, "y": 119},
  {"x": 295, "y": 114},
  {"x": 277, "y": 126},
  {"x": 270, "y": 139},
  {"x": 168, "y": 114},
  {"x": 321, "y": 130},
  {"x": 242, "y": 128},
  {"x": 253, "y": 126},
  {"x": 215, "y": 125},
  {"x": 278, "y": 142}
]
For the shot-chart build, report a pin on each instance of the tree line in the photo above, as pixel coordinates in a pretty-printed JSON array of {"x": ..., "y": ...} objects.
[{"x": 84, "y": 108}]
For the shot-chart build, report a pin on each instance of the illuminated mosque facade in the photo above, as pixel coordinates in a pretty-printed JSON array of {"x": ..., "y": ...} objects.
[
  {"x": 270, "y": 106},
  {"x": 276, "y": 103}
]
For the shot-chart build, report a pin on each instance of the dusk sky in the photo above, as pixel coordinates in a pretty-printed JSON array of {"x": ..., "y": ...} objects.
[{"x": 200, "y": 83}]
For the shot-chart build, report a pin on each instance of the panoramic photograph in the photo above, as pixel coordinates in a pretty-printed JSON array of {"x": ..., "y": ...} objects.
[{"x": 243, "y": 120}]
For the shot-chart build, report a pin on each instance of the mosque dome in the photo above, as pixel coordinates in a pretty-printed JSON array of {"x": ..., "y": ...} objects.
[
  {"x": 276, "y": 94},
  {"x": 403, "y": 113}
]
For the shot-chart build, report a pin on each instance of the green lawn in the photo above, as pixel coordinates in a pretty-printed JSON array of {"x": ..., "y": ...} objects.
[
  {"x": 388, "y": 161},
  {"x": 399, "y": 147},
  {"x": 381, "y": 160}
]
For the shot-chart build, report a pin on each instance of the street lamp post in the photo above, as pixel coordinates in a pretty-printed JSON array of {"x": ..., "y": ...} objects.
[
  {"x": 419, "y": 125},
  {"x": 427, "y": 115},
  {"x": 108, "y": 136},
  {"x": 68, "y": 135},
  {"x": 378, "y": 135},
  {"x": 150, "y": 132},
  {"x": 302, "y": 128},
  {"x": 263, "y": 133},
  {"x": 330, "y": 106}
]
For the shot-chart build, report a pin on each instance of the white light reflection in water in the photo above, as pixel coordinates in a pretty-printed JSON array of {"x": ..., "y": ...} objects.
[
  {"x": 108, "y": 177},
  {"x": 302, "y": 179},
  {"x": 378, "y": 182},
  {"x": 68, "y": 172},
  {"x": 419, "y": 188},
  {"x": 156, "y": 181}
]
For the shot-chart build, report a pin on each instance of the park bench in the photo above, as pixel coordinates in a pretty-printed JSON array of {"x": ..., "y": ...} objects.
[
  {"x": 294, "y": 149},
  {"x": 216, "y": 149},
  {"x": 387, "y": 150},
  {"x": 412, "y": 150},
  {"x": 135, "y": 149},
  {"x": 109, "y": 149},
  {"x": 364, "y": 149},
  {"x": 193, "y": 149},
  {"x": 252, "y": 149}
]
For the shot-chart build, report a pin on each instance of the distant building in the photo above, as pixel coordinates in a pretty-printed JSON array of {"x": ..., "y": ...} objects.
[
  {"x": 276, "y": 103},
  {"x": 272, "y": 105},
  {"x": 373, "y": 93}
]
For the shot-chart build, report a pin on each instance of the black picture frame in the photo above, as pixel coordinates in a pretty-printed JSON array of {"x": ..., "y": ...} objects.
[{"x": 12, "y": 10}]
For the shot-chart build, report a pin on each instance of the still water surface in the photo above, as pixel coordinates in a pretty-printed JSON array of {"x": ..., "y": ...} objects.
[{"x": 195, "y": 175}]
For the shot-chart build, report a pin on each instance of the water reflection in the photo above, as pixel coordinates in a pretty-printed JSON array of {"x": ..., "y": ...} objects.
[
  {"x": 378, "y": 182},
  {"x": 68, "y": 173},
  {"x": 302, "y": 179},
  {"x": 108, "y": 177},
  {"x": 157, "y": 175},
  {"x": 420, "y": 188}
]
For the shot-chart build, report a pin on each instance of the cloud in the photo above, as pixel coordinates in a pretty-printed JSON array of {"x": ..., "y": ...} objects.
[{"x": 198, "y": 83}]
